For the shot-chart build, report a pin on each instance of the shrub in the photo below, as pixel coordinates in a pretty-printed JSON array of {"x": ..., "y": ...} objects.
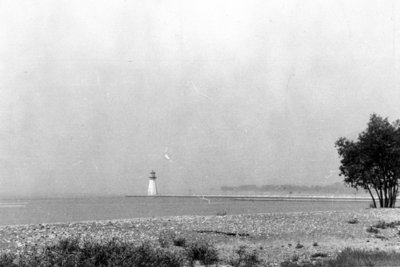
[
  {"x": 166, "y": 238},
  {"x": 381, "y": 225},
  {"x": 295, "y": 258},
  {"x": 146, "y": 255},
  {"x": 287, "y": 263},
  {"x": 350, "y": 257},
  {"x": 315, "y": 244},
  {"x": 319, "y": 254},
  {"x": 201, "y": 251},
  {"x": 393, "y": 224},
  {"x": 299, "y": 245},
  {"x": 384, "y": 225},
  {"x": 353, "y": 221},
  {"x": 296, "y": 264},
  {"x": 67, "y": 245},
  {"x": 70, "y": 252},
  {"x": 7, "y": 259},
  {"x": 180, "y": 242},
  {"x": 372, "y": 230},
  {"x": 245, "y": 258},
  {"x": 382, "y": 237}
]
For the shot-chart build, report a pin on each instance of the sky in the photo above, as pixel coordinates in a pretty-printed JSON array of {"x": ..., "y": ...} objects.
[{"x": 96, "y": 94}]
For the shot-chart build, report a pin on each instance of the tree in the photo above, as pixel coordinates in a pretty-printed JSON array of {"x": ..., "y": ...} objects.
[{"x": 373, "y": 161}]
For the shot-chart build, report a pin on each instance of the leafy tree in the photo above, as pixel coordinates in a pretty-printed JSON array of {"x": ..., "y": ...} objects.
[{"x": 372, "y": 162}]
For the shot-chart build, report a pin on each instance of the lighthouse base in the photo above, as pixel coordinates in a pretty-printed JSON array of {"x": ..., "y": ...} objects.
[{"x": 152, "y": 190}]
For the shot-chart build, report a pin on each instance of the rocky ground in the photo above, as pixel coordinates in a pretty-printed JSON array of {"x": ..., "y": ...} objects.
[{"x": 276, "y": 236}]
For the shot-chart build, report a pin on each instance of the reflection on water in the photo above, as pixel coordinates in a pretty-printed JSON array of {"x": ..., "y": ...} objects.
[{"x": 105, "y": 208}]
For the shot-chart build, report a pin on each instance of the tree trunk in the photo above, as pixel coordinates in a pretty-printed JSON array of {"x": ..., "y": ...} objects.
[
  {"x": 386, "y": 200},
  {"x": 394, "y": 196},
  {"x": 377, "y": 193},
  {"x": 372, "y": 196},
  {"x": 387, "y": 196},
  {"x": 381, "y": 198},
  {"x": 395, "y": 190},
  {"x": 390, "y": 192}
]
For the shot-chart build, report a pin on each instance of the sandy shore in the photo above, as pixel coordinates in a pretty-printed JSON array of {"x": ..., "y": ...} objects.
[{"x": 275, "y": 235}]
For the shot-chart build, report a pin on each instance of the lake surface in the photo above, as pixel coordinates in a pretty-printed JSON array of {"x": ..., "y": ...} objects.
[{"x": 32, "y": 211}]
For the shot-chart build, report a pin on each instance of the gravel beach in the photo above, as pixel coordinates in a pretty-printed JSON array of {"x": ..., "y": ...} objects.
[{"x": 276, "y": 236}]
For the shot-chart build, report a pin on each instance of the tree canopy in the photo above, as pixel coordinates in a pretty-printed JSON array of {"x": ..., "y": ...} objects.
[{"x": 372, "y": 162}]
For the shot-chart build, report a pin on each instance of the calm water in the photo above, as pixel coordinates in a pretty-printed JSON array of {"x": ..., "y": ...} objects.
[{"x": 103, "y": 208}]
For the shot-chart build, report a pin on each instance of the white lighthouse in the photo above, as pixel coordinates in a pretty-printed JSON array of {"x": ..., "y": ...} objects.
[{"x": 152, "y": 190}]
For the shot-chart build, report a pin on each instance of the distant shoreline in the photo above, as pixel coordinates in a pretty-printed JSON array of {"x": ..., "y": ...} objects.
[{"x": 266, "y": 198}]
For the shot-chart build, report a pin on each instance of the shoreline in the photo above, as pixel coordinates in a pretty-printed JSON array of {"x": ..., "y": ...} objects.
[
  {"x": 305, "y": 198},
  {"x": 264, "y": 197},
  {"x": 239, "y": 196},
  {"x": 273, "y": 235}
]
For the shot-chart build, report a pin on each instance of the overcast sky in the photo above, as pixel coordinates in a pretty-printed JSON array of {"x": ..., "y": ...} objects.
[{"x": 96, "y": 94}]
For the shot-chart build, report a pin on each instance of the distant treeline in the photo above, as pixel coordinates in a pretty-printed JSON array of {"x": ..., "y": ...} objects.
[{"x": 336, "y": 188}]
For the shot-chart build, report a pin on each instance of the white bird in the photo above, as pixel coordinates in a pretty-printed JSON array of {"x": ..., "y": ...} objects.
[
  {"x": 166, "y": 156},
  {"x": 200, "y": 93}
]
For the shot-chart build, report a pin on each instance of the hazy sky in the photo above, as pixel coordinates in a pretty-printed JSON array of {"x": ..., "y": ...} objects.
[{"x": 96, "y": 94}]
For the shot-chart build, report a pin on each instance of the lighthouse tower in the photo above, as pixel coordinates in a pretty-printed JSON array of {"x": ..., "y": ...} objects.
[{"x": 152, "y": 190}]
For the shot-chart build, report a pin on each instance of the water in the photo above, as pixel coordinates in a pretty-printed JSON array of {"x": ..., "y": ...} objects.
[{"x": 31, "y": 211}]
